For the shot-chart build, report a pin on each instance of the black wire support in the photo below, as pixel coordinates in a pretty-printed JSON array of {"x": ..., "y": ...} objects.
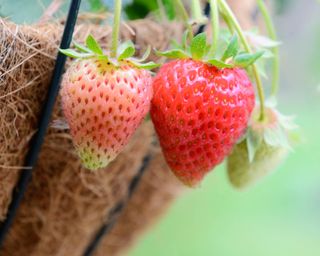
[{"x": 38, "y": 138}]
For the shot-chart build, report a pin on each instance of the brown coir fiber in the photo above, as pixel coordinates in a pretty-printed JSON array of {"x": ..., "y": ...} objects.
[
  {"x": 26, "y": 61},
  {"x": 65, "y": 205}
]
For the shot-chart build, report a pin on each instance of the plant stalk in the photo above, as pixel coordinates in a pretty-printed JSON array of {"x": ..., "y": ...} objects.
[
  {"x": 233, "y": 20},
  {"x": 214, "y": 26},
  {"x": 229, "y": 25},
  {"x": 272, "y": 34},
  {"x": 196, "y": 10},
  {"x": 115, "y": 28},
  {"x": 185, "y": 17}
]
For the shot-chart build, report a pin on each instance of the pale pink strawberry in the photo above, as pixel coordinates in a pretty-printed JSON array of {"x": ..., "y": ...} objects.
[{"x": 103, "y": 105}]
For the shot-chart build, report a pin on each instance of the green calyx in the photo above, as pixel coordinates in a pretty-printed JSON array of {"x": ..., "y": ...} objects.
[
  {"x": 199, "y": 49},
  {"x": 125, "y": 52},
  {"x": 275, "y": 131}
]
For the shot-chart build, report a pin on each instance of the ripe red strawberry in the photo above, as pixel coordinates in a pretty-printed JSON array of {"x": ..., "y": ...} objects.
[
  {"x": 104, "y": 101},
  {"x": 199, "y": 113}
]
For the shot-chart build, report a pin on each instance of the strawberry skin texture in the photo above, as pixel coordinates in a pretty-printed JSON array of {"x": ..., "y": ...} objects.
[
  {"x": 103, "y": 106},
  {"x": 199, "y": 113}
]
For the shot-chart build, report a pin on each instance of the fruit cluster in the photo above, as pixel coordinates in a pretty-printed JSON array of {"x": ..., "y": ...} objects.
[{"x": 202, "y": 106}]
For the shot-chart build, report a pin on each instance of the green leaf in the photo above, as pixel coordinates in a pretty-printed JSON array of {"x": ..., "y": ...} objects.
[
  {"x": 81, "y": 47},
  {"x": 198, "y": 46},
  {"x": 74, "y": 54},
  {"x": 232, "y": 48},
  {"x": 253, "y": 141},
  {"x": 96, "y": 6},
  {"x": 93, "y": 45},
  {"x": 174, "y": 44},
  {"x": 174, "y": 53},
  {"x": 276, "y": 136},
  {"x": 148, "y": 65},
  {"x": 246, "y": 59},
  {"x": 287, "y": 122},
  {"x": 261, "y": 41},
  {"x": 218, "y": 63},
  {"x": 267, "y": 54},
  {"x": 126, "y": 50},
  {"x": 261, "y": 67},
  {"x": 169, "y": 8},
  {"x": 225, "y": 35},
  {"x": 146, "y": 54}
]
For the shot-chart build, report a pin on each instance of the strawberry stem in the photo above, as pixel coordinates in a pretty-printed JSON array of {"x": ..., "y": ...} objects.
[
  {"x": 214, "y": 26},
  {"x": 196, "y": 10},
  {"x": 233, "y": 20},
  {"x": 229, "y": 25},
  {"x": 185, "y": 18},
  {"x": 272, "y": 34},
  {"x": 115, "y": 28}
]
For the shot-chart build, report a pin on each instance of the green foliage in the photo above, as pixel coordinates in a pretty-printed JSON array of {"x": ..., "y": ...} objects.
[
  {"x": 93, "y": 45},
  {"x": 126, "y": 50},
  {"x": 246, "y": 59},
  {"x": 74, "y": 54},
  {"x": 219, "y": 63},
  {"x": 139, "y": 9},
  {"x": 174, "y": 53},
  {"x": 232, "y": 48},
  {"x": 80, "y": 47},
  {"x": 199, "y": 49},
  {"x": 253, "y": 142},
  {"x": 198, "y": 46},
  {"x": 169, "y": 7},
  {"x": 97, "y": 6}
]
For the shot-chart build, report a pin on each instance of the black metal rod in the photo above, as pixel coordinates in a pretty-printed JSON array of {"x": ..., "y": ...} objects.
[
  {"x": 114, "y": 213},
  {"x": 38, "y": 138}
]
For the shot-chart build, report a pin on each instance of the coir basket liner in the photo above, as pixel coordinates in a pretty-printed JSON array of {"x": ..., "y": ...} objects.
[{"x": 65, "y": 204}]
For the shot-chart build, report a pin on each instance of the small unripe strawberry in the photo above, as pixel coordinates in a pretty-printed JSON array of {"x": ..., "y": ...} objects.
[
  {"x": 243, "y": 173},
  {"x": 263, "y": 149}
]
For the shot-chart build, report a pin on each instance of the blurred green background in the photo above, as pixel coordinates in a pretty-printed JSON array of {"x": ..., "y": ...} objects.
[{"x": 279, "y": 216}]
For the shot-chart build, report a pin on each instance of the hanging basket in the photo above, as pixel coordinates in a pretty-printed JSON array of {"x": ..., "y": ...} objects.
[{"x": 65, "y": 205}]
